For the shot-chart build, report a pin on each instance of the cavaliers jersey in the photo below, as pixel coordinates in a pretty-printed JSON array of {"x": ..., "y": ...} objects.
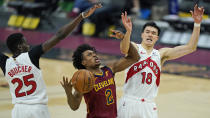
[
  {"x": 143, "y": 77},
  {"x": 101, "y": 101},
  {"x": 25, "y": 81}
]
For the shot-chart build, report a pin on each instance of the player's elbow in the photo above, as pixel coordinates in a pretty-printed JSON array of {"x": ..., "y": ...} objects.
[
  {"x": 193, "y": 49},
  {"x": 124, "y": 52},
  {"x": 74, "y": 107}
]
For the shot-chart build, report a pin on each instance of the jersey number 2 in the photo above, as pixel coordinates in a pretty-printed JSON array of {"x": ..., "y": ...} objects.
[
  {"x": 27, "y": 83},
  {"x": 147, "y": 77},
  {"x": 109, "y": 96}
]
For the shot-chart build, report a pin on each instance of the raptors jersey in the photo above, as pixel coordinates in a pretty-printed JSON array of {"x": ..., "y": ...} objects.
[
  {"x": 25, "y": 81},
  {"x": 101, "y": 101},
  {"x": 143, "y": 77}
]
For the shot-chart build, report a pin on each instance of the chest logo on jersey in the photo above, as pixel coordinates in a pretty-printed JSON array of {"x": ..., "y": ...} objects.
[
  {"x": 103, "y": 84},
  {"x": 141, "y": 65},
  {"x": 19, "y": 69}
]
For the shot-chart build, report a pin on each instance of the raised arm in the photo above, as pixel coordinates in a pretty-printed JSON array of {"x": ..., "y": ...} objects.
[
  {"x": 125, "y": 62},
  {"x": 73, "y": 100},
  {"x": 125, "y": 38},
  {"x": 68, "y": 28},
  {"x": 191, "y": 46}
]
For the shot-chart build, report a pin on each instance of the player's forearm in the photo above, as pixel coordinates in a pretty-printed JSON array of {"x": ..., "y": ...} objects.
[
  {"x": 67, "y": 29},
  {"x": 193, "y": 42},
  {"x": 73, "y": 102},
  {"x": 125, "y": 43},
  {"x": 61, "y": 34},
  {"x": 133, "y": 53}
]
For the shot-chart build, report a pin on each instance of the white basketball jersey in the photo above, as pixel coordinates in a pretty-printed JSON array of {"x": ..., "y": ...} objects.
[
  {"x": 25, "y": 81},
  {"x": 143, "y": 77}
]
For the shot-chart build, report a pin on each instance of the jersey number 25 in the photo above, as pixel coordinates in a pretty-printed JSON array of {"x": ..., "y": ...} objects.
[{"x": 27, "y": 83}]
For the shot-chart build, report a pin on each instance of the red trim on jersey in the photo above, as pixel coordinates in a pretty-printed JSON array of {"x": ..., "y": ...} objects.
[
  {"x": 156, "y": 71},
  {"x": 137, "y": 67}
]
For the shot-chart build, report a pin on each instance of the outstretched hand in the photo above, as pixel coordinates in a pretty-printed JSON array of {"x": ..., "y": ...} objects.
[
  {"x": 67, "y": 85},
  {"x": 117, "y": 34},
  {"x": 197, "y": 14},
  {"x": 126, "y": 21},
  {"x": 91, "y": 10}
]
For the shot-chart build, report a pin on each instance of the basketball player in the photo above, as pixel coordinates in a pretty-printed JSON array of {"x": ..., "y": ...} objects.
[
  {"x": 101, "y": 101},
  {"x": 23, "y": 73},
  {"x": 143, "y": 77}
]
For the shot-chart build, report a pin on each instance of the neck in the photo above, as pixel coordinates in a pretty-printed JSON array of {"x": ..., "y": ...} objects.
[
  {"x": 16, "y": 54},
  {"x": 95, "y": 70},
  {"x": 146, "y": 47}
]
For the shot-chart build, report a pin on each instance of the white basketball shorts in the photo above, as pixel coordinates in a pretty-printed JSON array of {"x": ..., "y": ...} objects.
[
  {"x": 133, "y": 107},
  {"x": 30, "y": 111}
]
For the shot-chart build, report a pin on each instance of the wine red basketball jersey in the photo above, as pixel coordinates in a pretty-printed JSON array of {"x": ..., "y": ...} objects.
[{"x": 101, "y": 101}]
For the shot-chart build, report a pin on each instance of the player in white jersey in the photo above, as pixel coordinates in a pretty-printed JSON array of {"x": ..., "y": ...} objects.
[
  {"x": 23, "y": 73},
  {"x": 143, "y": 77}
]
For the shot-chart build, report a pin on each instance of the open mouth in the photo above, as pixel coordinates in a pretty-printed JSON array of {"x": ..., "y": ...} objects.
[
  {"x": 97, "y": 60},
  {"x": 149, "y": 40}
]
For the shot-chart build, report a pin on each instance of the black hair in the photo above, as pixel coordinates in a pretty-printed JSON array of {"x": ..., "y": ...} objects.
[
  {"x": 77, "y": 56},
  {"x": 14, "y": 40},
  {"x": 152, "y": 24}
]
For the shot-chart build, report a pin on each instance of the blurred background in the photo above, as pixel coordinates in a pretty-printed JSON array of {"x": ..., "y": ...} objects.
[{"x": 39, "y": 20}]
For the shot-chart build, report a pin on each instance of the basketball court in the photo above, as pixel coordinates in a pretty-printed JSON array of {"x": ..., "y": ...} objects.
[{"x": 179, "y": 96}]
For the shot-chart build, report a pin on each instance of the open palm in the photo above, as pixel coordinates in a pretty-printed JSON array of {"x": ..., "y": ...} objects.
[
  {"x": 126, "y": 22},
  {"x": 92, "y": 10},
  {"x": 197, "y": 14}
]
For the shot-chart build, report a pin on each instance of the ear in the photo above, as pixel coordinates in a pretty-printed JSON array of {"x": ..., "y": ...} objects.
[
  {"x": 19, "y": 47},
  {"x": 84, "y": 62},
  {"x": 142, "y": 34}
]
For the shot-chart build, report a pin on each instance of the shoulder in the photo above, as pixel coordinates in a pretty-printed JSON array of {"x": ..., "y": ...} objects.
[
  {"x": 107, "y": 68},
  {"x": 163, "y": 51}
]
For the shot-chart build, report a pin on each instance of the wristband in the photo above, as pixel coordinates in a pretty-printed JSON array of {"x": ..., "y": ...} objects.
[
  {"x": 83, "y": 16},
  {"x": 197, "y": 25}
]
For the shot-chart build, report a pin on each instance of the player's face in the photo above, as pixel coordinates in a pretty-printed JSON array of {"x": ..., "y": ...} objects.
[
  {"x": 90, "y": 59},
  {"x": 149, "y": 36}
]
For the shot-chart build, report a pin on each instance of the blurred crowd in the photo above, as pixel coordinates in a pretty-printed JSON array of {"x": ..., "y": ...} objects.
[{"x": 105, "y": 18}]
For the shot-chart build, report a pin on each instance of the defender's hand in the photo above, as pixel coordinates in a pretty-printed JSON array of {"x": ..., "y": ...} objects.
[
  {"x": 117, "y": 34},
  {"x": 91, "y": 10},
  {"x": 126, "y": 22},
  {"x": 197, "y": 14}
]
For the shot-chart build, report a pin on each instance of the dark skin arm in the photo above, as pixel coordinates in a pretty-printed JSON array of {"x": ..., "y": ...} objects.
[
  {"x": 73, "y": 99},
  {"x": 67, "y": 29},
  {"x": 125, "y": 62}
]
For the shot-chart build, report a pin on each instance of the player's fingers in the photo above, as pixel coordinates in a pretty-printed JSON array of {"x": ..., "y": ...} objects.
[
  {"x": 191, "y": 12},
  {"x": 196, "y": 6},
  {"x": 113, "y": 31},
  {"x": 126, "y": 15},
  {"x": 129, "y": 19},
  {"x": 111, "y": 35},
  {"x": 62, "y": 84},
  {"x": 63, "y": 79}
]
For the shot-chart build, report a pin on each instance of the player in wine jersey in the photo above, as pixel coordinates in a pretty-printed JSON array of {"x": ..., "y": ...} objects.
[
  {"x": 143, "y": 78},
  {"x": 101, "y": 101},
  {"x": 23, "y": 73}
]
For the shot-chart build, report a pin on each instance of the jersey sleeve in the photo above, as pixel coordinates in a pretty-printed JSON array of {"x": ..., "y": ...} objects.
[
  {"x": 35, "y": 53},
  {"x": 3, "y": 59}
]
